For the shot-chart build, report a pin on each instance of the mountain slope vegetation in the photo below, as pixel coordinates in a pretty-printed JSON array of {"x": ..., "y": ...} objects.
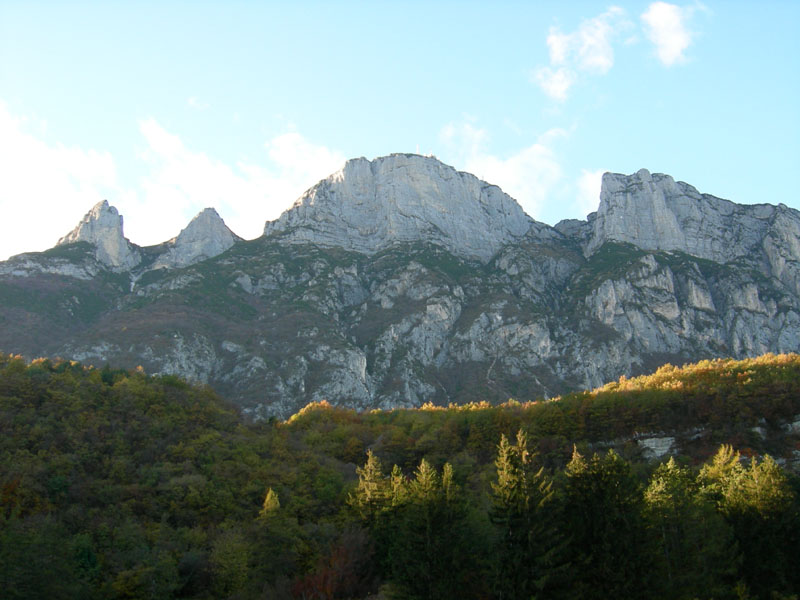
[{"x": 115, "y": 484}]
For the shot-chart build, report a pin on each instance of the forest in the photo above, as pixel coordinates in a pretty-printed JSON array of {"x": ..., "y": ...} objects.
[{"x": 117, "y": 484}]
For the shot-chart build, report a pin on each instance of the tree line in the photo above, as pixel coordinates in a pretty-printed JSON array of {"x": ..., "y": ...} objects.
[
  {"x": 114, "y": 484},
  {"x": 591, "y": 531}
]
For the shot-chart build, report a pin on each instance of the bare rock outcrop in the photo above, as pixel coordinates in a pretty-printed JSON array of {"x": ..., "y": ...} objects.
[
  {"x": 400, "y": 281},
  {"x": 102, "y": 227},
  {"x": 371, "y": 205},
  {"x": 655, "y": 212},
  {"x": 204, "y": 237}
]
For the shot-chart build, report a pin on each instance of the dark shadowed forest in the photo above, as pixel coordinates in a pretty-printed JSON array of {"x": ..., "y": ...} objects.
[{"x": 116, "y": 484}]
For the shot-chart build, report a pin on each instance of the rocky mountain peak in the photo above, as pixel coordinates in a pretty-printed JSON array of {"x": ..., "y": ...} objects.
[
  {"x": 205, "y": 236},
  {"x": 278, "y": 325},
  {"x": 102, "y": 227},
  {"x": 371, "y": 205},
  {"x": 655, "y": 212}
]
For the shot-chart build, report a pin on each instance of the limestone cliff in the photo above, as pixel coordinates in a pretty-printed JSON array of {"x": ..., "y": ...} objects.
[
  {"x": 370, "y": 205},
  {"x": 400, "y": 281},
  {"x": 102, "y": 227},
  {"x": 204, "y": 237},
  {"x": 654, "y": 212}
]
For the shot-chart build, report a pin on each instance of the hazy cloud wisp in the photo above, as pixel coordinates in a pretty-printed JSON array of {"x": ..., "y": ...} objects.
[
  {"x": 529, "y": 175},
  {"x": 46, "y": 187},
  {"x": 246, "y": 194},
  {"x": 665, "y": 25},
  {"x": 588, "y": 49}
]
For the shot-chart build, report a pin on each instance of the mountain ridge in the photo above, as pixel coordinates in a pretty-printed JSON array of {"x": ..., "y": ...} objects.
[
  {"x": 659, "y": 216},
  {"x": 407, "y": 311}
]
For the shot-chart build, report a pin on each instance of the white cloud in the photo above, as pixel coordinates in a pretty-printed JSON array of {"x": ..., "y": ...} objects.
[
  {"x": 45, "y": 188},
  {"x": 529, "y": 175},
  {"x": 533, "y": 176},
  {"x": 303, "y": 162},
  {"x": 588, "y": 187},
  {"x": 555, "y": 84},
  {"x": 181, "y": 182},
  {"x": 590, "y": 46},
  {"x": 665, "y": 25},
  {"x": 588, "y": 49},
  {"x": 468, "y": 138}
]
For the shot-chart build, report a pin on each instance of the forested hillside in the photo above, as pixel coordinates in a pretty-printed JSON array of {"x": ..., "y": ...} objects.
[{"x": 115, "y": 484}]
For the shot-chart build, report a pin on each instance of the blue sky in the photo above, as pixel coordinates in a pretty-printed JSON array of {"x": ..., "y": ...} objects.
[{"x": 165, "y": 108}]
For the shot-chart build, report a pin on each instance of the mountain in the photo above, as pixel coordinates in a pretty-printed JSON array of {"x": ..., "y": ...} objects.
[
  {"x": 102, "y": 228},
  {"x": 400, "y": 281},
  {"x": 370, "y": 206}
]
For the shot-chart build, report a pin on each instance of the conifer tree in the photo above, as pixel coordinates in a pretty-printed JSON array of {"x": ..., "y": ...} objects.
[
  {"x": 430, "y": 553},
  {"x": 763, "y": 510},
  {"x": 372, "y": 494},
  {"x": 523, "y": 512},
  {"x": 398, "y": 489},
  {"x": 603, "y": 513},
  {"x": 373, "y": 501},
  {"x": 694, "y": 547},
  {"x": 271, "y": 504}
]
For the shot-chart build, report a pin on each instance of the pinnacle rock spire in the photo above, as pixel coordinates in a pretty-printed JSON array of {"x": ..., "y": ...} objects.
[
  {"x": 205, "y": 236},
  {"x": 102, "y": 227}
]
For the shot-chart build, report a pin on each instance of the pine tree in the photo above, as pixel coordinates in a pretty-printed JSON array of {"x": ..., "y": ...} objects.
[
  {"x": 523, "y": 512},
  {"x": 431, "y": 552},
  {"x": 270, "y": 506},
  {"x": 398, "y": 488},
  {"x": 695, "y": 548},
  {"x": 762, "y": 508},
  {"x": 372, "y": 493},
  {"x": 603, "y": 513}
]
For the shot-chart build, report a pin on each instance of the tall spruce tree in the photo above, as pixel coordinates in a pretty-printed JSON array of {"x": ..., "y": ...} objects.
[
  {"x": 431, "y": 551},
  {"x": 523, "y": 512},
  {"x": 372, "y": 494},
  {"x": 694, "y": 547},
  {"x": 763, "y": 510},
  {"x": 603, "y": 513}
]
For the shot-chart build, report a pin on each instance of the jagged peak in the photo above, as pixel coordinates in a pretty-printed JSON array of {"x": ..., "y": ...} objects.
[
  {"x": 84, "y": 227},
  {"x": 613, "y": 183},
  {"x": 206, "y": 220},
  {"x": 102, "y": 227},
  {"x": 369, "y": 205},
  {"x": 205, "y": 236},
  {"x": 654, "y": 212}
]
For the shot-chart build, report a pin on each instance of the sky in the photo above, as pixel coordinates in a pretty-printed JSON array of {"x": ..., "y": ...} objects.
[{"x": 165, "y": 108}]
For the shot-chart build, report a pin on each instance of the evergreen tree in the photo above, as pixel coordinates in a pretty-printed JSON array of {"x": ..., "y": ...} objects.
[
  {"x": 523, "y": 512},
  {"x": 603, "y": 513},
  {"x": 372, "y": 494},
  {"x": 431, "y": 552},
  {"x": 695, "y": 548},
  {"x": 398, "y": 490},
  {"x": 762, "y": 508},
  {"x": 270, "y": 506}
]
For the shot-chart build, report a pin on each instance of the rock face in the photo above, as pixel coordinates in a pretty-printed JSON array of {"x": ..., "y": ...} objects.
[
  {"x": 401, "y": 281},
  {"x": 370, "y": 205},
  {"x": 654, "y": 212},
  {"x": 102, "y": 227},
  {"x": 204, "y": 237}
]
